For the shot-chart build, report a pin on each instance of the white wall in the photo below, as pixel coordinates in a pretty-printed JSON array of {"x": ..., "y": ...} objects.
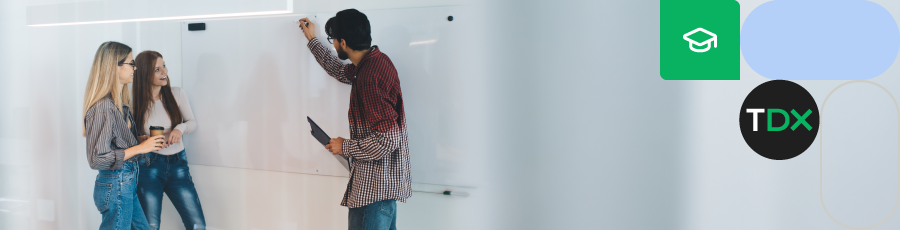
[
  {"x": 15, "y": 157},
  {"x": 47, "y": 185}
]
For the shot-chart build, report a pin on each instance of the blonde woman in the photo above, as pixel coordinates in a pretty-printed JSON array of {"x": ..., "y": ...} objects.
[
  {"x": 157, "y": 103},
  {"x": 112, "y": 146}
]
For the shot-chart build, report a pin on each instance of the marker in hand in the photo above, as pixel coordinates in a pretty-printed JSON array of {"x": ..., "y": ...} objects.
[{"x": 308, "y": 28}]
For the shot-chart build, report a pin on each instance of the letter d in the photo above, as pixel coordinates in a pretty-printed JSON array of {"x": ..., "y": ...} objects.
[{"x": 787, "y": 119}]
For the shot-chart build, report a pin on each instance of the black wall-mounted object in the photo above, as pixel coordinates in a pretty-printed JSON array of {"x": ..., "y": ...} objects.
[
  {"x": 450, "y": 18},
  {"x": 196, "y": 26}
]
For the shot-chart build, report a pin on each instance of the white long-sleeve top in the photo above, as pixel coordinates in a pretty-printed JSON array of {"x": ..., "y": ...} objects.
[{"x": 157, "y": 116}]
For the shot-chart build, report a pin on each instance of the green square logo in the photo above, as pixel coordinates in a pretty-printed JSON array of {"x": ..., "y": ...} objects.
[{"x": 700, "y": 40}]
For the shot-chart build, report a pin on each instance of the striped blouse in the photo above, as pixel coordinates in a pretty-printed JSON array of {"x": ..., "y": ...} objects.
[{"x": 108, "y": 134}]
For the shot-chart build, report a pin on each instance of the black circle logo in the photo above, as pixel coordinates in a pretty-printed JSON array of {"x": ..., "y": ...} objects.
[{"x": 779, "y": 119}]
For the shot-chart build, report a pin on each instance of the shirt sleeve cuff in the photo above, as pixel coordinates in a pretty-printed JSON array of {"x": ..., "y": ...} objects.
[
  {"x": 312, "y": 42},
  {"x": 120, "y": 159},
  {"x": 180, "y": 127},
  {"x": 346, "y": 148}
]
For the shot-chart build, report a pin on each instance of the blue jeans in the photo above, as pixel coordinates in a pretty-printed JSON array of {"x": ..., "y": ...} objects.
[
  {"x": 116, "y": 200},
  {"x": 381, "y": 215},
  {"x": 169, "y": 174}
]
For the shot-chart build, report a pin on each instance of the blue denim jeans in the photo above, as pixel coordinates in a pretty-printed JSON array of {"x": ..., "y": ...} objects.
[
  {"x": 169, "y": 174},
  {"x": 116, "y": 200},
  {"x": 381, "y": 215}
]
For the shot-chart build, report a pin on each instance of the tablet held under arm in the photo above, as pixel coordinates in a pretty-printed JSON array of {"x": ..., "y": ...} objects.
[{"x": 324, "y": 139}]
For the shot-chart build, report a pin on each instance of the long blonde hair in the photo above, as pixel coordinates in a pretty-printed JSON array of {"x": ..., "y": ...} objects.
[{"x": 103, "y": 77}]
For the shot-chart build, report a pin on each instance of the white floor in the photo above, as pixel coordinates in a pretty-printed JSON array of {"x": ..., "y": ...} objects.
[{"x": 235, "y": 198}]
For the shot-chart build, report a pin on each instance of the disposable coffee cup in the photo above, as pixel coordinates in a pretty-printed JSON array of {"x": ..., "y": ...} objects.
[{"x": 156, "y": 130}]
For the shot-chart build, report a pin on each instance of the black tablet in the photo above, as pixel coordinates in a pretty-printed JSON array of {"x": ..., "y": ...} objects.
[
  {"x": 324, "y": 139},
  {"x": 318, "y": 133}
]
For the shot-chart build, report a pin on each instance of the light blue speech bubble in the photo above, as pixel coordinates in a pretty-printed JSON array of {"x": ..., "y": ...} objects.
[{"x": 820, "y": 39}]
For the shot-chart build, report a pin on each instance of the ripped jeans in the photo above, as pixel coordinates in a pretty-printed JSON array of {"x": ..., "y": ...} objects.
[{"x": 169, "y": 174}]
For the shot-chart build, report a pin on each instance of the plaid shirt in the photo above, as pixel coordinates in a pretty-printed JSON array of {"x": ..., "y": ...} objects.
[{"x": 377, "y": 146}]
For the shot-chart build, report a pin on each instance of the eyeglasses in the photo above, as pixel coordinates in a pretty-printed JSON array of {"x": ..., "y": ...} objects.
[
  {"x": 130, "y": 63},
  {"x": 330, "y": 40}
]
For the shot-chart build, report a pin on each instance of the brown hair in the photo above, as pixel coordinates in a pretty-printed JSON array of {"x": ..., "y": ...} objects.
[{"x": 143, "y": 97}]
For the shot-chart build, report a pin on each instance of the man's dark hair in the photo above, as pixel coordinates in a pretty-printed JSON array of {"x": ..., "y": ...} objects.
[{"x": 352, "y": 26}]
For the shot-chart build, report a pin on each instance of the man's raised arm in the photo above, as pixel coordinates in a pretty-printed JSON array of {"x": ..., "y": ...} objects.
[{"x": 332, "y": 64}]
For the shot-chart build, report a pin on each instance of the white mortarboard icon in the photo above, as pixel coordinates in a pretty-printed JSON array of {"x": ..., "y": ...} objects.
[{"x": 692, "y": 43}]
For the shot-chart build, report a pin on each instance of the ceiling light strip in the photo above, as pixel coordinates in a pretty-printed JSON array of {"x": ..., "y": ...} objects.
[{"x": 169, "y": 18}]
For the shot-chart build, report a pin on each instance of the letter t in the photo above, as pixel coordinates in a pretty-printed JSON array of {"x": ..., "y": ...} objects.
[{"x": 756, "y": 112}]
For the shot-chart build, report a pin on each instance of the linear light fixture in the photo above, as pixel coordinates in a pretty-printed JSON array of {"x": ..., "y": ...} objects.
[
  {"x": 169, "y": 18},
  {"x": 422, "y": 42},
  {"x": 118, "y": 11}
]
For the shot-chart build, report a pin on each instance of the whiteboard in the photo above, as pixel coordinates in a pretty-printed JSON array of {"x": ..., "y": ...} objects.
[{"x": 252, "y": 82}]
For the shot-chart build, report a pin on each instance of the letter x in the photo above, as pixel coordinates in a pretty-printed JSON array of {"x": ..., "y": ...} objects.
[{"x": 801, "y": 120}]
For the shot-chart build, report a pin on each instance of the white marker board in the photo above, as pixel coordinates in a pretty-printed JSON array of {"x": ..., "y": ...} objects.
[{"x": 253, "y": 81}]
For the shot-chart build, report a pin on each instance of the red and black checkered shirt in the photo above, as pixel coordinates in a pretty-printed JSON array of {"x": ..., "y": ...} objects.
[{"x": 377, "y": 146}]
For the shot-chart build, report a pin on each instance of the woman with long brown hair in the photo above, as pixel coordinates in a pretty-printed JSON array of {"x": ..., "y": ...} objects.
[
  {"x": 156, "y": 103},
  {"x": 112, "y": 146}
]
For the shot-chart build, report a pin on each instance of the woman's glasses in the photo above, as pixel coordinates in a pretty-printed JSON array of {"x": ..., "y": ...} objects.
[{"x": 130, "y": 63}]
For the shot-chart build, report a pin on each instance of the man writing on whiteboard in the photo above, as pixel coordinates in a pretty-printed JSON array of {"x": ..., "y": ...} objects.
[{"x": 377, "y": 148}]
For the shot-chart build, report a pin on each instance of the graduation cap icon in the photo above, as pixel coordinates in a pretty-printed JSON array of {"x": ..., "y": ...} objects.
[{"x": 692, "y": 43}]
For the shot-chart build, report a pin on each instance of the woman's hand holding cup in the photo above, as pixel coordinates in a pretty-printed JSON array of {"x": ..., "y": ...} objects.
[{"x": 154, "y": 143}]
